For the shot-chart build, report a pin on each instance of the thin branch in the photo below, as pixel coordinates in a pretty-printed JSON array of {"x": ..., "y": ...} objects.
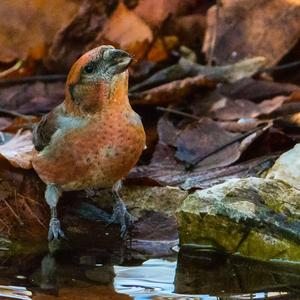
[
  {"x": 196, "y": 161},
  {"x": 14, "y": 113},
  {"x": 44, "y": 78},
  {"x": 13, "y": 212},
  {"x": 14, "y": 68},
  {"x": 29, "y": 209},
  {"x": 177, "y": 112},
  {"x": 280, "y": 67}
]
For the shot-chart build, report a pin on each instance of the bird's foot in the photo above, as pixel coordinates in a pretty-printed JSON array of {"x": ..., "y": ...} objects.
[
  {"x": 121, "y": 216},
  {"x": 55, "y": 231}
]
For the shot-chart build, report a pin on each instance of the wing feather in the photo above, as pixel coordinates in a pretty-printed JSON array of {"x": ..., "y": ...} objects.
[{"x": 44, "y": 130}]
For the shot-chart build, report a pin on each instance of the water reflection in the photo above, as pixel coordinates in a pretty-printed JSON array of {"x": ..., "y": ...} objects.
[
  {"x": 199, "y": 274},
  {"x": 15, "y": 292},
  {"x": 154, "y": 279},
  {"x": 203, "y": 271}
]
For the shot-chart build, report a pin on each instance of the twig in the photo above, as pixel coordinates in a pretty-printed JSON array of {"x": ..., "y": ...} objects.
[
  {"x": 28, "y": 208},
  {"x": 14, "y": 68},
  {"x": 196, "y": 161},
  {"x": 14, "y": 113},
  {"x": 13, "y": 212},
  {"x": 177, "y": 112},
  {"x": 214, "y": 36},
  {"x": 280, "y": 67},
  {"x": 44, "y": 78}
]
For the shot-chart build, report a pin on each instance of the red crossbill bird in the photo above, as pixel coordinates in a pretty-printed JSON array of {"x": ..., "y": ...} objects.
[{"x": 93, "y": 138}]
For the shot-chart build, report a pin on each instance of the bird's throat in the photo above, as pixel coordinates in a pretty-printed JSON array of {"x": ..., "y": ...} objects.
[{"x": 89, "y": 98}]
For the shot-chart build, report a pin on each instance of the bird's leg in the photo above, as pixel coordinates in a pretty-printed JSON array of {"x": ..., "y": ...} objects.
[
  {"x": 52, "y": 194},
  {"x": 120, "y": 214}
]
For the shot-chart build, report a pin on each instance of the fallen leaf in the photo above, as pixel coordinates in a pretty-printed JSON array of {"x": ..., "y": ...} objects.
[
  {"x": 203, "y": 141},
  {"x": 116, "y": 30},
  {"x": 226, "y": 109},
  {"x": 156, "y": 12},
  {"x": 184, "y": 26},
  {"x": 268, "y": 28},
  {"x": 18, "y": 151},
  {"x": 205, "y": 144},
  {"x": 5, "y": 122},
  {"x": 42, "y": 19},
  {"x": 209, "y": 178},
  {"x": 172, "y": 175},
  {"x": 22, "y": 122},
  {"x": 185, "y": 77},
  {"x": 32, "y": 98},
  {"x": 270, "y": 141},
  {"x": 256, "y": 90},
  {"x": 242, "y": 125},
  {"x": 75, "y": 37},
  {"x": 171, "y": 92}
]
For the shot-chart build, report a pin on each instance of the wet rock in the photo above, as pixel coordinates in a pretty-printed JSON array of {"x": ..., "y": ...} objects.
[
  {"x": 287, "y": 167},
  {"x": 253, "y": 217},
  {"x": 154, "y": 231},
  {"x": 155, "y": 228}
]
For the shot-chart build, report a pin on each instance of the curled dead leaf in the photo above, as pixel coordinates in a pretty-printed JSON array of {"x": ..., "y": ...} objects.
[
  {"x": 226, "y": 109},
  {"x": 18, "y": 151},
  {"x": 172, "y": 91},
  {"x": 40, "y": 19},
  {"x": 122, "y": 22},
  {"x": 256, "y": 90},
  {"x": 268, "y": 28}
]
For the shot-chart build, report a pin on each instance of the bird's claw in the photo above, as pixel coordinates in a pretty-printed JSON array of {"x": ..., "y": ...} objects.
[
  {"x": 55, "y": 231},
  {"x": 121, "y": 216}
]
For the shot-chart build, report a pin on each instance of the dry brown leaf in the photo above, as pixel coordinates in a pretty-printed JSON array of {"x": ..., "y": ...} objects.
[
  {"x": 156, "y": 12},
  {"x": 172, "y": 175},
  {"x": 32, "y": 98},
  {"x": 186, "y": 27},
  {"x": 5, "y": 122},
  {"x": 200, "y": 139},
  {"x": 21, "y": 122},
  {"x": 31, "y": 26},
  {"x": 241, "y": 125},
  {"x": 268, "y": 28},
  {"x": 18, "y": 151},
  {"x": 128, "y": 31},
  {"x": 171, "y": 92},
  {"x": 226, "y": 109},
  {"x": 76, "y": 36},
  {"x": 256, "y": 90},
  {"x": 176, "y": 88}
]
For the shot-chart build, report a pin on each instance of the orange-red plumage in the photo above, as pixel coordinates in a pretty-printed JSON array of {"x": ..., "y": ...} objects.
[{"x": 93, "y": 138}]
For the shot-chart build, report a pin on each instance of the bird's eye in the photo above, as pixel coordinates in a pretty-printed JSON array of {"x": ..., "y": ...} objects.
[{"x": 89, "y": 69}]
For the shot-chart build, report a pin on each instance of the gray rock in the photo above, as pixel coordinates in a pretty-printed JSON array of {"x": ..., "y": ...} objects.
[{"x": 252, "y": 217}]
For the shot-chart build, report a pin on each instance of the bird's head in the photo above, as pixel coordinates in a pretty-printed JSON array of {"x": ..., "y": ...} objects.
[{"x": 97, "y": 79}]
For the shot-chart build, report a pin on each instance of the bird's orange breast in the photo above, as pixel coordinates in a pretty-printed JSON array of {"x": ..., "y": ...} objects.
[{"x": 96, "y": 154}]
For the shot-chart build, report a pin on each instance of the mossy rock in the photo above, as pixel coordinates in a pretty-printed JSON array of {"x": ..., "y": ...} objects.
[{"x": 252, "y": 217}]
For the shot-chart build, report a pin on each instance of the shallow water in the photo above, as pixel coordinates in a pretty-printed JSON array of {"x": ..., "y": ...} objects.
[{"x": 201, "y": 275}]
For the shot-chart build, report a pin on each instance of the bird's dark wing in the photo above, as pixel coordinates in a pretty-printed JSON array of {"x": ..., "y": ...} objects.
[{"x": 44, "y": 130}]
